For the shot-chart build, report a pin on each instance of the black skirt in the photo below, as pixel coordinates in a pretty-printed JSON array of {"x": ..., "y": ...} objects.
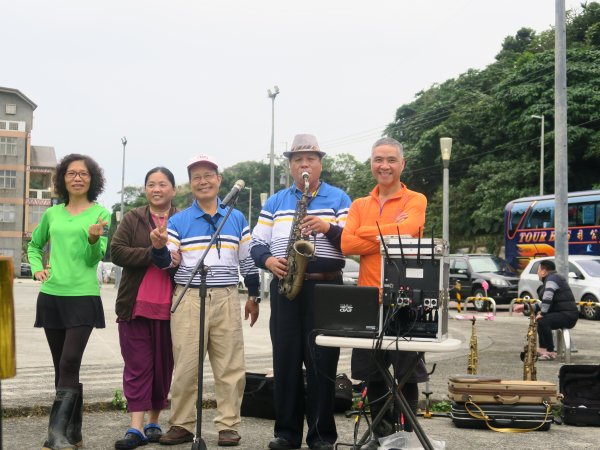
[{"x": 59, "y": 312}]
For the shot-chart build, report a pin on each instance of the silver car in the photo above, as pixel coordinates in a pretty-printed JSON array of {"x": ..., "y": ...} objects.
[
  {"x": 584, "y": 279},
  {"x": 350, "y": 272}
]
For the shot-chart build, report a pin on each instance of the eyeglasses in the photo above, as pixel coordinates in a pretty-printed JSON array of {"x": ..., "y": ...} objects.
[
  {"x": 71, "y": 175},
  {"x": 207, "y": 176}
]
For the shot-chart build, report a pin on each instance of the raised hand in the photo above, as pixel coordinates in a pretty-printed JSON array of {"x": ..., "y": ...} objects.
[
  {"x": 159, "y": 235},
  {"x": 96, "y": 230}
]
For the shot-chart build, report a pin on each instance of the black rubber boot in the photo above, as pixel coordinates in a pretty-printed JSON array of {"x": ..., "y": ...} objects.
[
  {"x": 74, "y": 427},
  {"x": 61, "y": 413}
]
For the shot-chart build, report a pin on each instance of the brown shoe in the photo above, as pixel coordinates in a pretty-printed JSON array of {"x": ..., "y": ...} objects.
[
  {"x": 176, "y": 435},
  {"x": 228, "y": 438}
]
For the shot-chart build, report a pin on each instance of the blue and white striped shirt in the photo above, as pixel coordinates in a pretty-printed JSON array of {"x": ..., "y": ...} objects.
[
  {"x": 271, "y": 234},
  {"x": 190, "y": 232}
]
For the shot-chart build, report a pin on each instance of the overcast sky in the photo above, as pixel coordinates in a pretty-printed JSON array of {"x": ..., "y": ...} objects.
[{"x": 182, "y": 77}]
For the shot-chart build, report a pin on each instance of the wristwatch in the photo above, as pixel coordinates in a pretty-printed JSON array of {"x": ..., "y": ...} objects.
[{"x": 255, "y": 299}]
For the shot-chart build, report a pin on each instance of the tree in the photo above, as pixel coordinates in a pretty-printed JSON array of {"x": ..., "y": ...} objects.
[{"x": 495, "y": 155}]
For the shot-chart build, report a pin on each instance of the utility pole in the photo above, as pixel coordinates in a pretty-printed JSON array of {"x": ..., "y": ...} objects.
[{"x": 561, "y": 189}]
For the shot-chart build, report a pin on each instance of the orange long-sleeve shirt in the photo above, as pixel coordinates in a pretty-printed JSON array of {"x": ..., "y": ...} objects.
[{"x": 360, "y": 233}]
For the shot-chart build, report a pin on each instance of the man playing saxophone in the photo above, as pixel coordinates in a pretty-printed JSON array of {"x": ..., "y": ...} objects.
[{"x": 319, "y": 213}]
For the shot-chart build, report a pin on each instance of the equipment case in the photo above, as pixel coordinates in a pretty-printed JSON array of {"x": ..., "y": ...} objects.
[
  {"x": 490, "y": 390},
  {"x": 580, "y": 386},
  {"x": 501, "y": 417}
]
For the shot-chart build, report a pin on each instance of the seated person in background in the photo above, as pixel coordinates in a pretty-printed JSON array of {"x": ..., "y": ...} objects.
[{"x": 558, "y": 308}]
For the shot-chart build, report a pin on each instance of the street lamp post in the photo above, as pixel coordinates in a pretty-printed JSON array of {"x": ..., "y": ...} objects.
[
  {"x": 541, "y": 153},
  {"x": 446, "y": 148},
  {"x": 124, "y": 142},
  {"x": 249, "y": 206},
  {"x": 272, "y": 96}
]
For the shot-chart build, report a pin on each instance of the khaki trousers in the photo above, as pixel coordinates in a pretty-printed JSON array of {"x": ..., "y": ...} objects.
[{"x": 224, "y": 342}]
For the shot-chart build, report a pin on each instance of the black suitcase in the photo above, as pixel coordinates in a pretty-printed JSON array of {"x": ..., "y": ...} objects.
[
  {"x": 580, "y": 386},
  {"x": 258, "y": 396},
  {"x": 500, "y": 417}
]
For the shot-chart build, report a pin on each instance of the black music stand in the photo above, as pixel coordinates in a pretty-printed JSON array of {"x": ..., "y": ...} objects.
[
  {"x": 201, "y": 268},
  {"x": 396, "y": 396}
]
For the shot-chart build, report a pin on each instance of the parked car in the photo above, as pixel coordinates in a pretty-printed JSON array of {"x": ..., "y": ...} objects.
[
  {"x": 584, "y": 280},
  {"x": 472, "y": 270},
  {"x": 350, "y": 272},
  {"x": 26, "y": 270}
]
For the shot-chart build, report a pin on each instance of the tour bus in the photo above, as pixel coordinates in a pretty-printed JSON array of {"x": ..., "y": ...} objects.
[{"x": 529, "y": 227}]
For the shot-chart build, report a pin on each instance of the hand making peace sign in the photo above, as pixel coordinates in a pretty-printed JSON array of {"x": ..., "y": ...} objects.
[
  {"x": 96, "y": 230},
  {"x": 159, "y": 236}
]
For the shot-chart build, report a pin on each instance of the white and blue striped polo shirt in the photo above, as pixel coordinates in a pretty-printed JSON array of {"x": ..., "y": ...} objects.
[
  {"x": 190, "y": 232},
  {"x": 271, "y": 234}
]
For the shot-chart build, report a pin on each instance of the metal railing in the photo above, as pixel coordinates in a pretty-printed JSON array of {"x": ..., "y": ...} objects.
[{"x": 473, "y": 299}]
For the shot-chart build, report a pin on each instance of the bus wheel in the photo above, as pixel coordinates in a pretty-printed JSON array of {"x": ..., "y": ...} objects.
[
  {"x": 480, "y": 305},
  {"x": 590, "y": 312}
]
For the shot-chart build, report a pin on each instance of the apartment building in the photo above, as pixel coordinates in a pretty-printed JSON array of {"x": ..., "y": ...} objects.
[{"x": 25, "y": 175}]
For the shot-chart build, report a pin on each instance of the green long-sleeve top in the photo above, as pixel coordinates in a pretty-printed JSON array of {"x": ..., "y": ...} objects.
[{"x": 73, "y": 259}]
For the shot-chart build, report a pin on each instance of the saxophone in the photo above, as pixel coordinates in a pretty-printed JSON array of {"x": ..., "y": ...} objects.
[
  {"x": 472, "y": 361},
  {"x": 299, "y": 250},
  {"x": 529, "y": 355}
]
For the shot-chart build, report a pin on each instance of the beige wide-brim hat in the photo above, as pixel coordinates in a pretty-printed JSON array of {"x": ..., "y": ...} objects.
[{"x": 304, "y": 143}]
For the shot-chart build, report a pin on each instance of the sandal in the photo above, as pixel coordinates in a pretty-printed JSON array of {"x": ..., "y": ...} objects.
[
  {"x": 133, "y": 439},
  {"x": 153, "y": 432},
  {"x": 546, "y": 357}
]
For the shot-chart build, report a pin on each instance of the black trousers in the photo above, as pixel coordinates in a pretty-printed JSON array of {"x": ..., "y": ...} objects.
[
  {"x": 293, "y": 340},
  {"x": 553, "y": 321}
]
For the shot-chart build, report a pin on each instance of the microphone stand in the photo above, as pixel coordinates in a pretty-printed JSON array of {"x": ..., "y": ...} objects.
[{"x": 201, "y": 268}]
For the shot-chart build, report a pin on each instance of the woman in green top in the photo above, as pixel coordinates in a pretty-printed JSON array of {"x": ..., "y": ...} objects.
[{"x": 69, "y": 305}]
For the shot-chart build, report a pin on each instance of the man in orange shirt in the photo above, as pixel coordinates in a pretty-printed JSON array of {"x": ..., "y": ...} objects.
[{"x": 397, "y": 210}]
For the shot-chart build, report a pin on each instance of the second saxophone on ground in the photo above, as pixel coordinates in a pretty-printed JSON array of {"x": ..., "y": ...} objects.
[
  {"x": 529, "y": 354},
  {"x": 299, "y": 250}
]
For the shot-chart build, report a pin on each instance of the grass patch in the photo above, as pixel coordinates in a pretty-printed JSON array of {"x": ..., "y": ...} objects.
[{"x": 443, "y": 406}]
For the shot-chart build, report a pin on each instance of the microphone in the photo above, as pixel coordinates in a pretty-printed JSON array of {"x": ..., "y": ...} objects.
[{"x": 233, "y": 194}]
